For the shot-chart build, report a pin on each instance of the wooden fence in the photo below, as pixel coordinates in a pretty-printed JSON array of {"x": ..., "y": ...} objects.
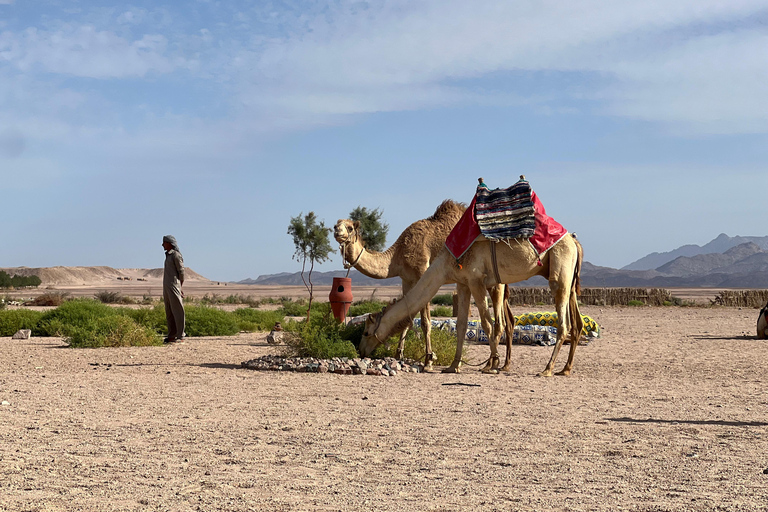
[
  {"x": 594, "y": 296},
  {"x": 742, "y": 298}
]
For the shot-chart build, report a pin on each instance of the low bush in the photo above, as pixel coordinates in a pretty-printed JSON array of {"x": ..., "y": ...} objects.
[
  {"x": 290, "y": 308},
  {"x": 443, "y": 346},
  {"x": 107, "y": 297},
  {"x": 366, "y": 306},
  {"x": 153, "y": 317},
  {"x": 445, "y": 299},
  {"x": 208, "y": 321},
  {"x": 111, "y": 331},
  {"x": 321, "y": 338},
  {"x": 635, "y": 303},
  {"x": 255, "y": 320},
  {"x": 14, "y": 319},
  {"x": 71, "y": 315},
  {"x": 442, "y": 311}
]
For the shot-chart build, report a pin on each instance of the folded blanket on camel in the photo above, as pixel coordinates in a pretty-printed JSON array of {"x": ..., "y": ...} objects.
[{"x": 505, "y": 214}]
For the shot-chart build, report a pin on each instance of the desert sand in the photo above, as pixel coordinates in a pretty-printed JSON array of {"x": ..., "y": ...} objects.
[{"x": 668, "y": 410}]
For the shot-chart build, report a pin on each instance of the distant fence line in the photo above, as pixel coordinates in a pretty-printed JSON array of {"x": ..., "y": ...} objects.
[
  {"x": 594, "y": 296},
  {"x": 650, "y": 296},
  {"x": 742, "y": 298}
]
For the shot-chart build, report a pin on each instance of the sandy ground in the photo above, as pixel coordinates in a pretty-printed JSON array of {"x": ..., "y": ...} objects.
[{"x": 667, "y": 411}]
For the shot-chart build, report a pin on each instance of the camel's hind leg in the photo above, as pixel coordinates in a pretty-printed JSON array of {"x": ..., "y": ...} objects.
[
  {"x": 462, "y": 306},
  {"x": 509, "y": 326},
  {"x": 576, "y": 325},
  {"x": 561, "y": 302}
]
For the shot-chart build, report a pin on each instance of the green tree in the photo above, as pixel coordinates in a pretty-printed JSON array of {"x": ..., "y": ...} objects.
[
  {"x": 310, "y": 238},
  {"x": 374, "y": 231}
]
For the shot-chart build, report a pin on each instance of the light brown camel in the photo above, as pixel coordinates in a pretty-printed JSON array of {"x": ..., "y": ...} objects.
[
  {"x": 408, "y": 258},
  {"x": 516, "y": 261}
]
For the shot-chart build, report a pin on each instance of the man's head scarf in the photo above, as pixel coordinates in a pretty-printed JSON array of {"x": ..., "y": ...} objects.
[{"x": 172, "y": 240}]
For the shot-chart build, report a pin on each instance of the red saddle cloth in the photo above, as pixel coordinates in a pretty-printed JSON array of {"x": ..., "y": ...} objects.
[{"x": 547, "y": 232}]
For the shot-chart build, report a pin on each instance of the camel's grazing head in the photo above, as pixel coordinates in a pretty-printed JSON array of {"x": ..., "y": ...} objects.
[
  {"x": 369, "y": 341},
  {"x": 375, "y": 333},
  {"x": 346, "y": 230}
]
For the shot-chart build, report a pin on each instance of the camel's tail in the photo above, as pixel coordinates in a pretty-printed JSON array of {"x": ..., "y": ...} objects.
[{"x": 577, "y": 323}]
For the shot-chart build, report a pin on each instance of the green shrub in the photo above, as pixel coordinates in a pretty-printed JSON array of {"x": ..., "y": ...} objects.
[
  {"x": 153, "y": 318},
  {"x": 635, "y": 303},
  {"x": 107, "y": 297},
  {"x": 445, "y": 299},
  {"x": 255, "y": 320},
  {"x": 111, "y": 331},
  {"x": 443, "y": 347},
  {"x": 207, "y": 321},
  {"x": 366, "y": 306},
  {"x": 442, "y": 311},
  {"x": 290, "y": 308},
  {"x": 14, "y": 319},
  {"x": 70, "y": 315},
  {"x": 320, "y": 338}
]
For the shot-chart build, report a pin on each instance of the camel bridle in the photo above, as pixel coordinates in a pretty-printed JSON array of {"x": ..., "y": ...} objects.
[{"x": 343, "y": 246}]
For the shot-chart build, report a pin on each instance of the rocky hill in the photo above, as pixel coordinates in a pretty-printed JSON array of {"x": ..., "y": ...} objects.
[
  {"x": 719, "y": 245},
  {"x": 320, "y": 278},
  {"x": 58, "y": 276}
]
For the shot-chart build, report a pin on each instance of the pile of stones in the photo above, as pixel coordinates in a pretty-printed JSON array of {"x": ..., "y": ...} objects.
[{"x": 388, "y": 367}]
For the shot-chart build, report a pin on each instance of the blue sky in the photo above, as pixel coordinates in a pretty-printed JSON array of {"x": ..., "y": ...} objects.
[{"x": 641, "y": 125}]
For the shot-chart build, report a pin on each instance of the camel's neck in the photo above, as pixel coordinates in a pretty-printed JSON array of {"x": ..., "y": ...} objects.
[
  {"x": 438, "y": 274},
  {"x": 370, "y": 263}
]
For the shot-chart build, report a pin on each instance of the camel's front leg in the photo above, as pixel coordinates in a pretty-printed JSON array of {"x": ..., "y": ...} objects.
[
  {"x": 478, "y": 292},
  {"x": 462, "y": 301},
  {"x": 401, "y": 344}
]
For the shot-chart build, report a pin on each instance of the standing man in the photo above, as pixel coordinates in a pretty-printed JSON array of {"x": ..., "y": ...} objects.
[{"x": 173, "y": 279}]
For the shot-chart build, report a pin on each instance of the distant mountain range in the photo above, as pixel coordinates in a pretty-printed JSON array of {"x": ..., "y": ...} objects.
[{"x": 725, "y": 262}]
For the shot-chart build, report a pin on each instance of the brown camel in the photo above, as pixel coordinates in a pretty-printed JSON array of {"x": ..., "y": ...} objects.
[
  {"x": 408, "y": 258},
  {"x": 516, "y": 261}
]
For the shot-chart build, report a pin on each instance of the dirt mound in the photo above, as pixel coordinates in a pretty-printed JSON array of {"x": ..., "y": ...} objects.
[{"x": 56, "y": 276}]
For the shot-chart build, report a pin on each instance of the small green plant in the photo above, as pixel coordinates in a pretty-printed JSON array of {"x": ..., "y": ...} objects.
[
  {"x": 366, "y": 306},
  {"x": 207, "y": 321},
  {"x": 445, "y": 299},
  {"x": 254, "y": 320},
  {"x": 442, "y": 311},
  {"x": 443, "y": 347},
  {"x": 111, "y": 331},
  {"x": 107, "y": 297},
  {"x": 71, "y": 315},
  {"x": 635, "y": 302},
  {"x": 14, "y": 319},
  {"x": 320, "y": 337}
]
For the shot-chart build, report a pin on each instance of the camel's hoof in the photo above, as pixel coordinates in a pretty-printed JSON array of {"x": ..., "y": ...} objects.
[
  {"x": 505, "y": 368},
  {"x": 544, "y": 374},
  {"x": 429, "y": 369},
  {"x": 564, "y": 373},
  {"x": 490, "y": 371},
  {"x": 451, "y": 369}
]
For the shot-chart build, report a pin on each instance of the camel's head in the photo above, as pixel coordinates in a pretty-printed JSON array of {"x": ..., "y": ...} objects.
[
  {"x": 346, "y": 230},
  {"x": 375, "y": 333},
  {"x": 369, "y": 341}
]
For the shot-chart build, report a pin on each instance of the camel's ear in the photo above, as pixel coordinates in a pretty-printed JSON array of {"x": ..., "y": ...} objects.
[{"x": 357, "y": 225}]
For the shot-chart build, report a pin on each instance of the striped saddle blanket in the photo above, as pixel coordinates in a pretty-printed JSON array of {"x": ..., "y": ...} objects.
[{"x": 505, "y": 213}]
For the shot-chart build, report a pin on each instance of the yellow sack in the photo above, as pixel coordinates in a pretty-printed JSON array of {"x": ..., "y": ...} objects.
[{"x": 550, "y": 318}]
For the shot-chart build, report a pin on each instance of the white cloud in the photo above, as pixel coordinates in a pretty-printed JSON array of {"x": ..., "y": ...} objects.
[
  {"x": 86, "y": 52},
  {"x": 655, "y": 60}
]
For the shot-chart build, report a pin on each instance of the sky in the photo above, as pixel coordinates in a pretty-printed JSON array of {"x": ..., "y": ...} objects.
[{"x": 642, "y": 126}]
